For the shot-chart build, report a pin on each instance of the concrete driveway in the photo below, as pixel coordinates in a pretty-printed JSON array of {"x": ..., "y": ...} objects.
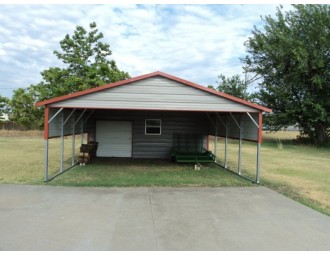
[{"x": 69, "y": 218}]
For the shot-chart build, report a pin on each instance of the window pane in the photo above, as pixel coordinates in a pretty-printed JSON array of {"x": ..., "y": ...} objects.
[
  {"x": 153, "y": 127},
  {"x": 153, "y": 123},
  {"x": 153, "y": 130}
]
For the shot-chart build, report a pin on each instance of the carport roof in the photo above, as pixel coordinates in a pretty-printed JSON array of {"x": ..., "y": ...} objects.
[{"x": 146, "y": 76}]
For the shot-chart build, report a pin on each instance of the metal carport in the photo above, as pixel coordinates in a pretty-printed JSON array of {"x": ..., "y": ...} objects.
[{"x": 155, "y": 93}]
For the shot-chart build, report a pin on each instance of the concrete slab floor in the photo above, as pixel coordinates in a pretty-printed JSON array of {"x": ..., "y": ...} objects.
[{"x": 72, "y": 218}]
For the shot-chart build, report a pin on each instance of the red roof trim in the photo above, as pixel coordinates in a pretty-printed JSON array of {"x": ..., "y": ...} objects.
[{"x": 142, "y": 77}]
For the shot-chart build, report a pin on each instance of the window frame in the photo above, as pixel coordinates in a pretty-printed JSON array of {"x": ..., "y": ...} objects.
[{"x": 150, "y": 126}]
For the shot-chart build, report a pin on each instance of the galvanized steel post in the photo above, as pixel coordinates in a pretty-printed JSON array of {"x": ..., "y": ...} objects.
[
  {"x": 240, "y": 142},
  {"x": 82, "y": 131},
  {"x": 216, "y": 139},
  {"x": 240, "y": 147},
  {"x": 258, "y": 163},
  {"x": 46, "y": 161},
  {"x": 224, "y": 123},
  {"x": 46, "y": 135},
  {"x": 73, "y": 141},
  {"x": 62, "y": 142},
  {"x": 226, "y": 146},
  {"x": 259, "y": 147}
]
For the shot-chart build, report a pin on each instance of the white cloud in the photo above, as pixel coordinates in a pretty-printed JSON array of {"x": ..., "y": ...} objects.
[
  {"x": 195, "y": 42},
  {"x": 2, "y": 52}
]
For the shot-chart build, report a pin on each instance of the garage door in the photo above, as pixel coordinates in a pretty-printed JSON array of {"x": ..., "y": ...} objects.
[{"x": 115, "y": 138}]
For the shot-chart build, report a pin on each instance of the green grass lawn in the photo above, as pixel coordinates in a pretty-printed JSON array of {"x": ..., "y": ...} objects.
[
  {"x": 141, "y": 172},
  {"x": 23, "y": 158},
  {"x": 301, "y": 172}
]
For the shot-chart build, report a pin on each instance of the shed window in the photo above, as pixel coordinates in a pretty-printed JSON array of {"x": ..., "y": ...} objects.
[{"x": 153, "y": 127}]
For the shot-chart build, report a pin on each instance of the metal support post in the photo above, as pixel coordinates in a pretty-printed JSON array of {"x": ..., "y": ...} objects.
[
  {"x": 82, "y": 132},
  {"x": 258, "y": 163},
  {"x": 73, "y": 142},
  {"x": 215, "y": 135},
  {"x": 46, "y": 161},
  {"x": 82, "y": 125},
  {"x": 240, "y": 147},
  {"x": 62, "y": 142},
  {"x": 226, "y": 147},
  {"x": 224, "y": 123},
  {"x": 258, "y": 148},
  {"x": 240, "y": 142},
  {"x": 216, "y": 140}
]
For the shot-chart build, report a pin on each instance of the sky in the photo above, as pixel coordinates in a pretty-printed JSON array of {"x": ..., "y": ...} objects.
[{"x": 193, "y": 42}]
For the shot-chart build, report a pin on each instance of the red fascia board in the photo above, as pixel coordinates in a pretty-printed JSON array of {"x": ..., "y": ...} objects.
[{"x": 142, "y": 77}]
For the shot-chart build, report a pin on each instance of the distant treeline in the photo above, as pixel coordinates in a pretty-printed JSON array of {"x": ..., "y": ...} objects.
[{"x": 11, "y": 125}]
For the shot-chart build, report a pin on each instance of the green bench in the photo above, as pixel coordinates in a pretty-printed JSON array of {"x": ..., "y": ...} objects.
[
  {"x": 193, "y": 157},
  {"x": 188, "y": 148}
]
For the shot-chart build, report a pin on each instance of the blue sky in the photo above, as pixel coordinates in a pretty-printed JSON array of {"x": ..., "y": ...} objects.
[{"x": 194, "y": 42}]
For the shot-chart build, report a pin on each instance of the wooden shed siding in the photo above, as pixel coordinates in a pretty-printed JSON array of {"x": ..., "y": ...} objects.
[
  {"x": 154, "y": 146},
  {"x": 155, "y": 93}
]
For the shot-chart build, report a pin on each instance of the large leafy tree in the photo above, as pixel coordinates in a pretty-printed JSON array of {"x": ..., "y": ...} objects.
[
  {"x": 23, "y": 110},
  {"x": 233, "y": 85},
  {"x": 86, "y": 65},
  {"x": 292, "y": 57},
  {"x": 4, "y": 106}
]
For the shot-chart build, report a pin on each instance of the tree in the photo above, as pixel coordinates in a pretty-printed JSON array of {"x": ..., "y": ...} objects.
[
  {"x": 86, "y": 66},
  {"x": 292, "y": 56},
  {"x": 233, "y": 85},
  {"x": 23, "y": 110},
  {"x": 4, "y": 106}
]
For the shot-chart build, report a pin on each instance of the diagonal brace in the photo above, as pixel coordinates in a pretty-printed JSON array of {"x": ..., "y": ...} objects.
[
  {"x": 238, "y": 125},
  {"x": 50, "y": 120},
  {"x": 66, "y": 120},
  {"x": 255, "y": 123}
]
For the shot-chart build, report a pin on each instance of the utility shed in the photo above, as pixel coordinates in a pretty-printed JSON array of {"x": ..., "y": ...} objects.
[{"x": 143, "y": 117}]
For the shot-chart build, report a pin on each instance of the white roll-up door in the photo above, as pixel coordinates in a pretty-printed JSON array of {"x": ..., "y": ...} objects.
[{"x": 115, "y": 138}]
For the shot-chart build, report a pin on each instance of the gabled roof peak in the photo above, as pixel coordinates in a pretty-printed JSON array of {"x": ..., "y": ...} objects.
[{"x": 146, "y": 76}]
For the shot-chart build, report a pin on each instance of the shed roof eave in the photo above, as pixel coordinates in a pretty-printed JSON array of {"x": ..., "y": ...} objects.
[{"x": 252, "y": 110}]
